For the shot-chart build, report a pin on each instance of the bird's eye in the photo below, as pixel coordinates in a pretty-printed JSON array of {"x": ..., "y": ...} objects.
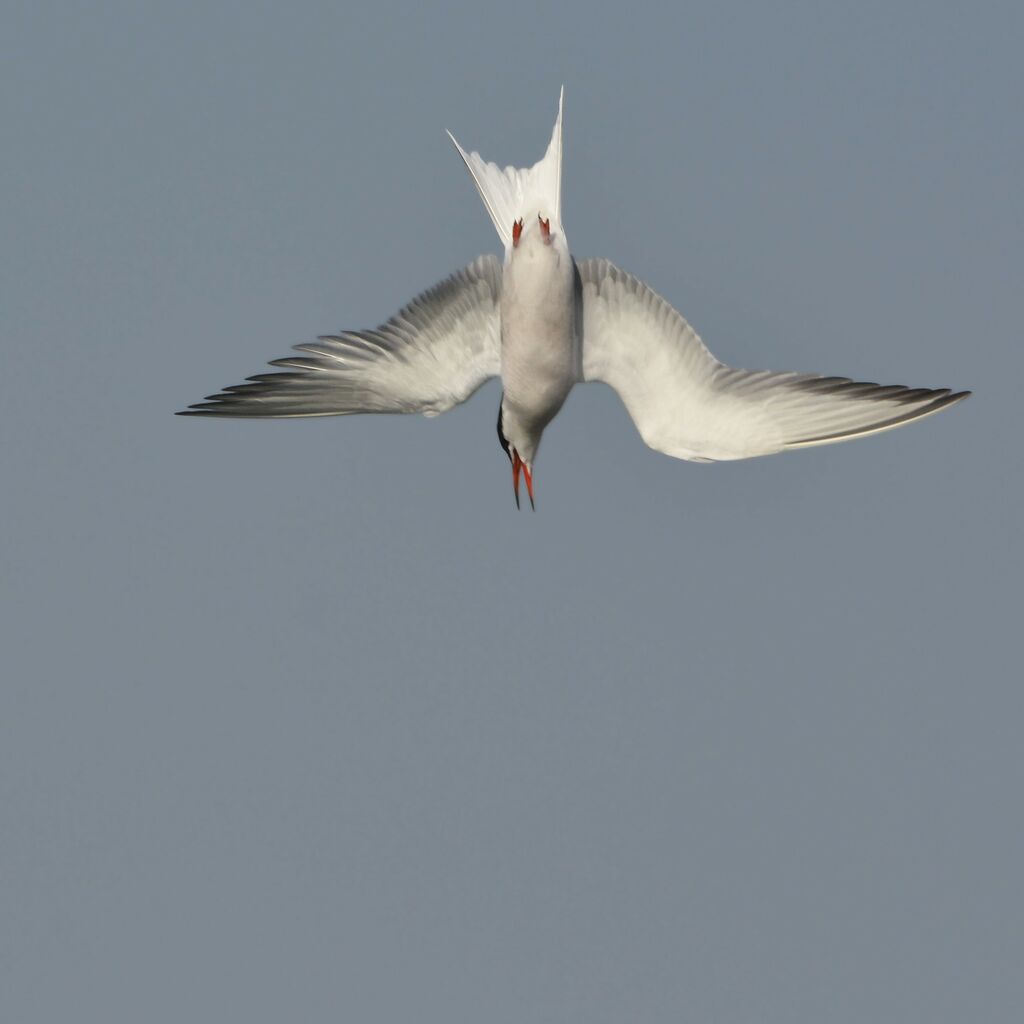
[{"x": 517, "y": 230}]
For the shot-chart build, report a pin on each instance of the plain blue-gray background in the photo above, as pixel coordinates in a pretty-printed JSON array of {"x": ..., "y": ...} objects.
[{"x": 302, "y": 721}]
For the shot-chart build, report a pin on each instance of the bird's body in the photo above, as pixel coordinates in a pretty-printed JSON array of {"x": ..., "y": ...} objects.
[
  {"x": 543, "y": 323},
  {"x": 538, "y": 337}
]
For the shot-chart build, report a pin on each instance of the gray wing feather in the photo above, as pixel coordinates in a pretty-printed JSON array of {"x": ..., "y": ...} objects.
[
  {"x": 432, "y": 355},
  {"x": 687, "y": 404}
]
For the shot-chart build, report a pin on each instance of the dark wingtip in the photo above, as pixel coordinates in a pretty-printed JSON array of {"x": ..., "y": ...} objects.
[{"x": 200, "y": 409}]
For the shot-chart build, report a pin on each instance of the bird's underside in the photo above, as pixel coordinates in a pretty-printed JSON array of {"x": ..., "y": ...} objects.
[{"x": 443, "y": 345}]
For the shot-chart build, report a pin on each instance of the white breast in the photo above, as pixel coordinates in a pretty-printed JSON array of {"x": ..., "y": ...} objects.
[{"x": 538, "y": 328}]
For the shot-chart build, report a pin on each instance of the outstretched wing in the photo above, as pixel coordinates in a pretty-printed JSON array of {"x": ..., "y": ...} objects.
[
  {"x": 687, "y": 404},
  {"x": 429, "y": 357}
]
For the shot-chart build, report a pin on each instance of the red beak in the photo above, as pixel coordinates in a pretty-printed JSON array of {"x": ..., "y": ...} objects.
[{"x": 519, "y": 466}]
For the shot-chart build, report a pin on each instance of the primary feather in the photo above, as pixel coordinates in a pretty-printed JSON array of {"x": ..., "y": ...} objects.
[
  {"x": 687, "y": 404},
  {"x": 433, "y": 354}
]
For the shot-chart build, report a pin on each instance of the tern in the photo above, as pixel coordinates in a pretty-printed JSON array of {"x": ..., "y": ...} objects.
[{"x": 543, "y": 322}]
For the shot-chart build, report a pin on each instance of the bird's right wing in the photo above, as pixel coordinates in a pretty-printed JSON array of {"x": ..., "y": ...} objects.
[
  {"x": 687, "y": 404},
  {"x": 430, "y": 356}
]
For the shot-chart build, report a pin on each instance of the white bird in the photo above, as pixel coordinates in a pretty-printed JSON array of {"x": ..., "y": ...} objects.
[{"x": 542, "y": 322}]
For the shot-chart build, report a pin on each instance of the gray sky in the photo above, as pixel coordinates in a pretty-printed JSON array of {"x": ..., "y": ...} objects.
[{"x": 302, "y": 721}]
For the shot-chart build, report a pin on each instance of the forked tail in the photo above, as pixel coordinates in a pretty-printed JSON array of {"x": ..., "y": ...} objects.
[{"x": 510, "y": 193}]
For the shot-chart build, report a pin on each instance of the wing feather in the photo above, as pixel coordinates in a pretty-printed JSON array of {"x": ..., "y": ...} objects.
[
  {"x": 432, "y": 355},
  {"x": 687, "y": 404}
]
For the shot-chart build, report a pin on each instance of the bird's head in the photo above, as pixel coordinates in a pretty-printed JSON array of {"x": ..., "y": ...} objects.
[{"x": 520, "y": 445}]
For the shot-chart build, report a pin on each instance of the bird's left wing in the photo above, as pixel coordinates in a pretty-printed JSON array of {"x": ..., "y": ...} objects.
[
  {"x": 429, "y": 357},
  {"x": 687, "y": 404}
]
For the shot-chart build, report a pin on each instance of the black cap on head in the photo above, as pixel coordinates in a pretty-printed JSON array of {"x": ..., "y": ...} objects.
[{"x": 502, "y": 438}]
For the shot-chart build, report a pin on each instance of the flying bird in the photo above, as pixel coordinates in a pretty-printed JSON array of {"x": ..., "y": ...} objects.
[{"x": 543, "y": 322}]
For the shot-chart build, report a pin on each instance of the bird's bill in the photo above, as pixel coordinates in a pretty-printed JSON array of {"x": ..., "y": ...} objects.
[{"x": 519, "y": 466}]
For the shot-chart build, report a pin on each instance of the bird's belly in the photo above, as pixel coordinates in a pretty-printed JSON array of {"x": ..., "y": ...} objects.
[
  {"x": 536, "y": 372},
  {"x": 538, "y": 342}
]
